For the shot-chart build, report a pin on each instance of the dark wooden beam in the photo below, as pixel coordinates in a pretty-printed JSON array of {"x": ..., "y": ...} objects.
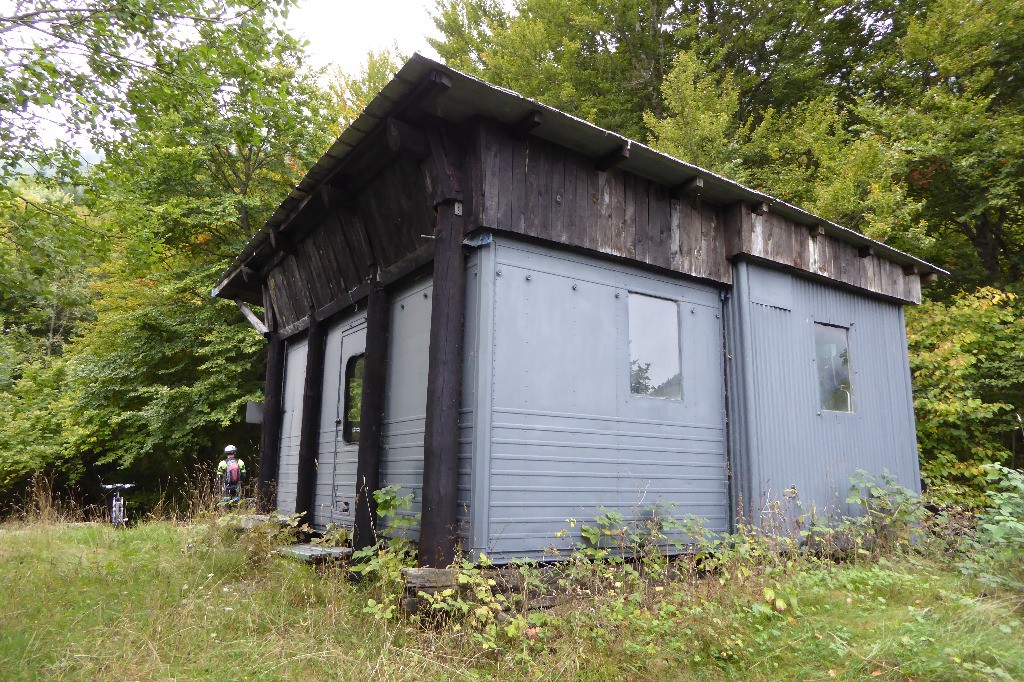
[
  {"x": 404, "y": 139},
  {"x": 309, "y": 435},
  {"x": 761, "y": 209},
  {"x": 613, "y": 158},
  {"x": 866, "y": 251},
  {"x": 693, "y": 187},
  {"x": 438, "y": 531},
  {"x": 270, "y": 438},
  {"x": 296, "y": 327},
  {"x": 423, "y": 95},
  {"x": 283, "y": 243},
  {"x": 522, "y": 127},
  {"x": 334, "y": 197},
  {"x": 930, "y": 278},
  {"x": 816, "y": 230},
  {"x": 909, "y": 270},
  {"x": 371, "y": 415}
]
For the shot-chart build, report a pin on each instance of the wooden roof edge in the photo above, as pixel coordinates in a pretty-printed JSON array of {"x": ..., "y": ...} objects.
[{"x": 501, "y": 103}]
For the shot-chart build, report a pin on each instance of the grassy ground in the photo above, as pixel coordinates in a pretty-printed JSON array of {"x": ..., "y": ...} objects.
[{"x": 162, "y": 601}]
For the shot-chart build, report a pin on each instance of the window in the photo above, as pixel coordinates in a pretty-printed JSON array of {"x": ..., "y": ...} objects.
[
  {"x": 353, "y": 398},
  {"x": 832, "y": 349},
  {"x": 654, "y": 353}
]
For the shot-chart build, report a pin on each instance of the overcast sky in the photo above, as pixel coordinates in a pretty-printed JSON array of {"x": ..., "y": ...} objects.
[{"x": 342, "y": 31}]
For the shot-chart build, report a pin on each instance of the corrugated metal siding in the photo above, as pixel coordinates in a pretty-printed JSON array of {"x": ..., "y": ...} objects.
[
  {"x": 336, "y": 459},
  {"x": 291, "y": 424},
  {"x": 792, "y": 444},
  {"x": 567, "y": 437}
]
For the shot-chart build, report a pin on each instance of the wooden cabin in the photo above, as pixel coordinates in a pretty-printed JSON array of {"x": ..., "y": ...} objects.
[{"x": 521, "y": 318}]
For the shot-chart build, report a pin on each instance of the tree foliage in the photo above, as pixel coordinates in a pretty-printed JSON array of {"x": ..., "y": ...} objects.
[
  {"x": 966, "y": 361},
  {"x": 152, "y": 372}
]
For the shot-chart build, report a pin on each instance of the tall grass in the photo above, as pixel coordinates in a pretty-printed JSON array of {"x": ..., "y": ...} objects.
[{"x": 190, "y": 599}]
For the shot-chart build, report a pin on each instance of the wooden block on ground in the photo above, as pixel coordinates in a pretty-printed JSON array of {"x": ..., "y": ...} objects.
[{"x": 315, "y": 554}]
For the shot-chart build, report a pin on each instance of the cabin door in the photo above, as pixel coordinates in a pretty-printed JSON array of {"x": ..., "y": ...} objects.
[
  {"x": 339, "y": 424},
  {"x": 291, "y": 425}
]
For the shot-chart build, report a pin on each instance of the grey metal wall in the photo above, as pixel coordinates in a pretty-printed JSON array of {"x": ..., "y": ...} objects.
[
  {"x": 785, "y": 448},
  {"x": 334, "y": 500},
  {"x": 291, "y": 425},
  {"x": 405, "y": 412},
  {"x": 560, "y": 435}
]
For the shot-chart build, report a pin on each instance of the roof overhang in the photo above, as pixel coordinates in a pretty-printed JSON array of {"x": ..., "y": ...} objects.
[{"x": 469, "y": 98}]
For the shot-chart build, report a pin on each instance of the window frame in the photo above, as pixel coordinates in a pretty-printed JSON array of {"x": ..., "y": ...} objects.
[
  {"x": 851, "y": 400},
  {"x": 348, "y": 425},
  {"x": 630, "y": 293}
]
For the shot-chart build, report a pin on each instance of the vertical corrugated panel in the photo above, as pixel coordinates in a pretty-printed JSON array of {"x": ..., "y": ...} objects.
[
  {"x": 568, "y": 439},
  {"x": 336, "y": 459},
  {"x": 291, "y": 425},
  {"x": 467, "y": 415},
  {"x": 804, "y": 455},
  {"x": 738, "y": 382}
]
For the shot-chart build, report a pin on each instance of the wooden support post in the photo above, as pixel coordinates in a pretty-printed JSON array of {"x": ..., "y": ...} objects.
[
  {"x": 371, "y": 415},
  {"x": 270, "y": 438},
  {"x": 309, "y": 437},
  {"x": 438, "y": 530}
]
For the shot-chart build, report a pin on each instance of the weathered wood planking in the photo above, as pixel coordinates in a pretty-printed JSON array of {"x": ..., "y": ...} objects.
[
  {"x": 335, "y": 256},
  {"x": 530, "y": 186},
  {"x": 774, "y": 238}
]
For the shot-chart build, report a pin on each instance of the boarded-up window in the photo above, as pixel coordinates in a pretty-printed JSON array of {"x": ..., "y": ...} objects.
[
  {"x": 353, "y": 397},
  {"x": 654, "y": 352},
  {"x": 832, "y": 347}
]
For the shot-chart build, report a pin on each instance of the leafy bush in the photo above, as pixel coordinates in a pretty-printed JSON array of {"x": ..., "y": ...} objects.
[
  {"x": 998, "y": 547},
  {"x": 966, "y": 363}
]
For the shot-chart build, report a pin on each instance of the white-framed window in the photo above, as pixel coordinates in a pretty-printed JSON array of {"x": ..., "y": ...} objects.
[{"x": 654, "y": 347}]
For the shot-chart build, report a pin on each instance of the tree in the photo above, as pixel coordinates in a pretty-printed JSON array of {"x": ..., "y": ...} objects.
[
  {"x": 351, "y": 93},
  {"x": 158, "y": 374},
  {"x": 603, "y": 60},
  {"x": 65, "y": 66},
  {"x": 953, "y": 123},
  {"x": 966, "y": 362}
]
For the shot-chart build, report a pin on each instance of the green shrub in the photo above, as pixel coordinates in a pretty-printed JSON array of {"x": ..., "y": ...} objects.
[{"x": 998, "y": 546}]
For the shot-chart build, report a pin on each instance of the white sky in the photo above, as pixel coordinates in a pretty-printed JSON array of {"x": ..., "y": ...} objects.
[{"x": 341, "y": 32}]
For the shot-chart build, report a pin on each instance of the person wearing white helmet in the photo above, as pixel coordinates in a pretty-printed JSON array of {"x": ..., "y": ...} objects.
[{"x": 231, "y": 474}]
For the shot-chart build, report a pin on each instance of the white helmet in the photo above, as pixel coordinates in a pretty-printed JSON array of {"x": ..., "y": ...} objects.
[{"x": 230, "y": 450}]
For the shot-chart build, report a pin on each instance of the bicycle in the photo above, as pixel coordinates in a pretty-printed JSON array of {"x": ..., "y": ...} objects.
[{"x": 118, "y": 509}]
